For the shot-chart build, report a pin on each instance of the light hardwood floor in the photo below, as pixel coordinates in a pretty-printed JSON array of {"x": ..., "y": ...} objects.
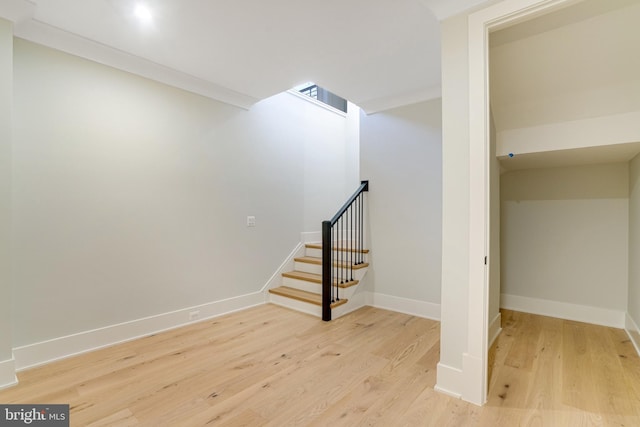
[{"x": 269, "y": 366}]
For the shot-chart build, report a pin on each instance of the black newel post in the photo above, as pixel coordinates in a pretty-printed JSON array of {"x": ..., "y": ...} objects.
[{"x": 326, "y": 270}]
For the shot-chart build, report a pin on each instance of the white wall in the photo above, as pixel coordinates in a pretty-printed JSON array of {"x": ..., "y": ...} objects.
[
  {"x": 6, "y": 71},
  {"x": 330, "y": 161},
  {"x": 554, "y": 69},
  {"x": 401, "y": 156},
  {"x": 131, "y": 197},
  {"x": 633, "y": 296},
  {"x": 564, "y": 235},
  {"x": 352, "y": 151}
]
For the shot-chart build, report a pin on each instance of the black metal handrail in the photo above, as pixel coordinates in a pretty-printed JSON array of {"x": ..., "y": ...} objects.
[{"x": 344, "y": 235}]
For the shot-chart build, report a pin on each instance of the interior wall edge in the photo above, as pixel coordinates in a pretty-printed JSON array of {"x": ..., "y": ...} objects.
[
  {"x": 632, "y": 329},
  {"x": 287, "y": 265},
  {"x": 8, "y": 374},
  {"x": 495, "y": 329}
]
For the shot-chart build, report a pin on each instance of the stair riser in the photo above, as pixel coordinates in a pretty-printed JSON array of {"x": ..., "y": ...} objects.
[
  {"x": 315, "y": 287},
  {"x": 305, "y": 307},
  {"x": 317, "y": 253},
  {"x": 317, "y": 269},
  {"x": 302, "y": 284}
]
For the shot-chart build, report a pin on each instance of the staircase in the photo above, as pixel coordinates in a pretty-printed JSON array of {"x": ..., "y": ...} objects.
[
  {"x": 327, "y": 274},
  {"x": 301, "y": 288}
]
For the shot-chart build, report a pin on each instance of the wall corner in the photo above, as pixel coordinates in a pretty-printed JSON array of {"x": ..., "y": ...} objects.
[{"x": 8, "y": 374}]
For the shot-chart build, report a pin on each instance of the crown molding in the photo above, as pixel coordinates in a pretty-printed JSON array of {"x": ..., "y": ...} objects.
[
  {"x": 373, "y": 106},
  {"x": 17, "y": 11},
  {"x": 47, "y": 35}
]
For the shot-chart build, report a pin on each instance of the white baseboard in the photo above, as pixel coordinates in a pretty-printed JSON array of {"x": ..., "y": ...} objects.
[
  {"x": 633, "y": 331},
  {"x": 449, "y": 381},
  {"x": 59, "y": 348},
  {"x": 413, "y": 307},
  {"x": 7, "y": 374},
  {"x": 563, "y": 310},
  {"x": 495, "y": 328}
]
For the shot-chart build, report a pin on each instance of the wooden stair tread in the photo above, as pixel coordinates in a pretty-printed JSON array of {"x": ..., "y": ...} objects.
[
  {"x": 315, "y": 278},
  {"x": 318, "y": 261},
  {"x": 304, "y": 296},
  {"x": 335, "y": 248}
]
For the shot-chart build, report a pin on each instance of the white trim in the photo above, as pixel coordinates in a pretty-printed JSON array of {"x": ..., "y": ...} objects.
[
  {"x": 17, "y": 11},
  {"x": 449, "y": 379},
  {"x": 563, "y": 310},
  {"x": 8, "y": 374},
  {"x": 479, "y": 218},
  {"x": 475, "y": 371},
  {"x": 633, "y": 331},
  {"x": 60, "y": 348},
  {"x": 47, "y": 35},
  {"x": 425, "y": 309},
  {"x": 443, "y": 9},
  {"x": 495, "y": 329},
  {"x": 373, "y": 106}
]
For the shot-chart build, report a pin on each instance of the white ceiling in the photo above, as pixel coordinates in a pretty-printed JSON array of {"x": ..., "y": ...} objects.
[{"x": 376, "y": 53}]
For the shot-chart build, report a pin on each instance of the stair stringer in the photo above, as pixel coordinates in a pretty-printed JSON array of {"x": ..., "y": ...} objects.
[
  {"x": 357, "y": 299},
  {"x": 287, "y": 265}
]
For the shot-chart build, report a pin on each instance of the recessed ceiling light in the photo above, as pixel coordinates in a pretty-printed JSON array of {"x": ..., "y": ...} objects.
[{"x": 143, "y": 13}]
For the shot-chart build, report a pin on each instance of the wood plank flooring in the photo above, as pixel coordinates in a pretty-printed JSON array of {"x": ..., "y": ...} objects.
[{"x": 269, "y": 366}]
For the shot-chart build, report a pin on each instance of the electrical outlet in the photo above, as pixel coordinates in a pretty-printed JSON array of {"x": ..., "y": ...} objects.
[
  {"x": 251, "y": 221},
  {"x": 194, "y": 315}
]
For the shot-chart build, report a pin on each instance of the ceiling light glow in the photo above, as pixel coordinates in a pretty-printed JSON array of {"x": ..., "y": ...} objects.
[{"x": 143, "y": 13}]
